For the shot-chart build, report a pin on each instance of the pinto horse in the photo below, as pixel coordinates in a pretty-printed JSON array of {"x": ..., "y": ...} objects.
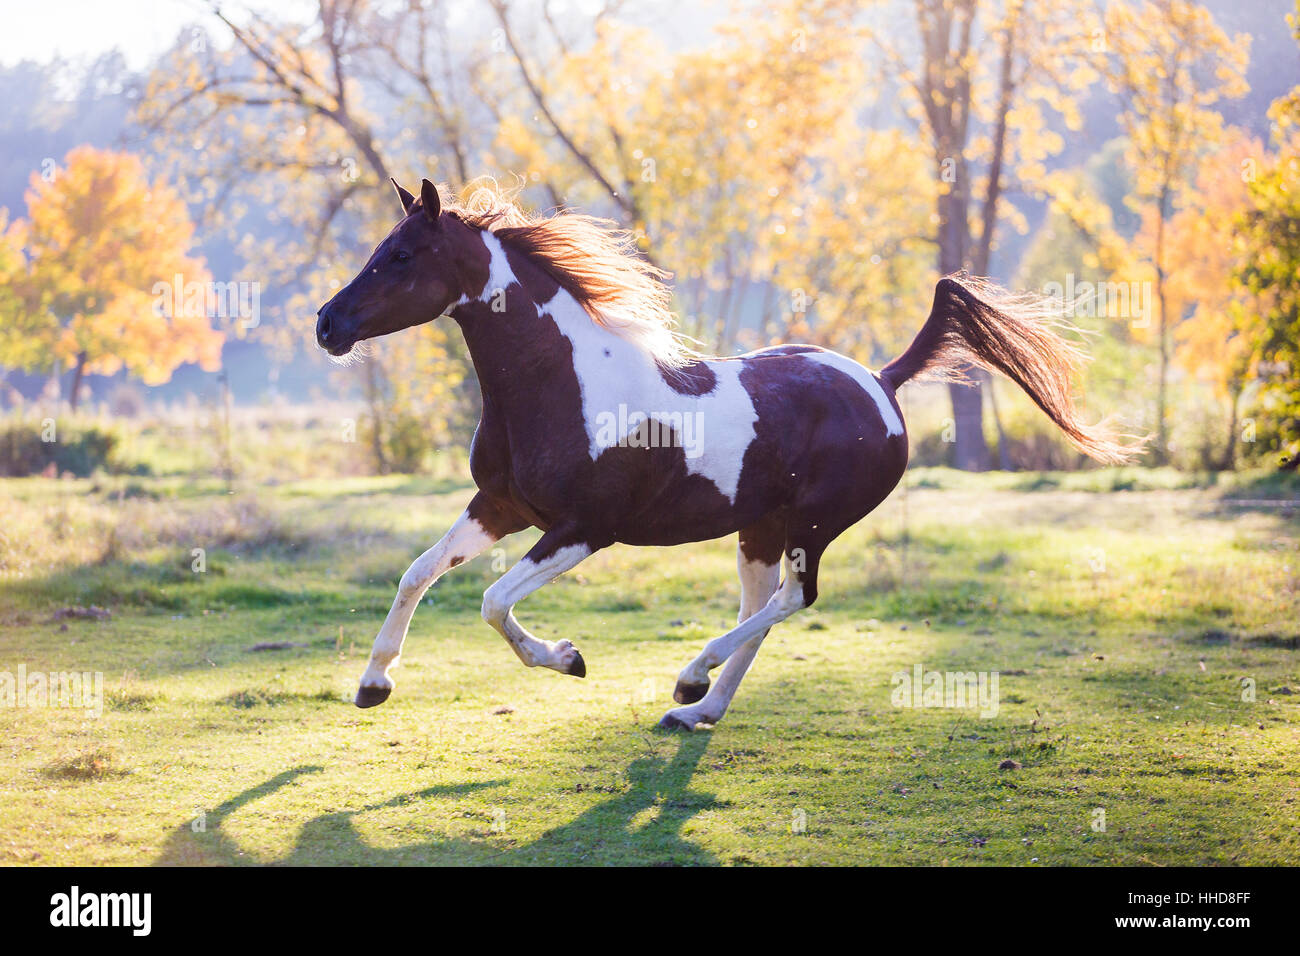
[{"x": 600, "y": 426}]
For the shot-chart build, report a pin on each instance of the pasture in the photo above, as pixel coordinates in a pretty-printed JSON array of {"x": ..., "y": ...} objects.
[{"x": 1131, "y": 617}]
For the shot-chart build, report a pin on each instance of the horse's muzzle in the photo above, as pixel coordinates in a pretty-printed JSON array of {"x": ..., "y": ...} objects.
[{"x": 329, "y": 336}]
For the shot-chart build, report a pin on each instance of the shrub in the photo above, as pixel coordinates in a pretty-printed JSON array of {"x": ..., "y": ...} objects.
[{"x": 79, "y": 451}]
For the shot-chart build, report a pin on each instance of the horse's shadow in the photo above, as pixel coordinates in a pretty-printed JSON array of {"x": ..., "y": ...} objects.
[{"x": 333, "y": 838}]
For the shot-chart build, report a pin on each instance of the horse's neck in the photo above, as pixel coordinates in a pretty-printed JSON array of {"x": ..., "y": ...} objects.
[{"x": 525, "y": 350}]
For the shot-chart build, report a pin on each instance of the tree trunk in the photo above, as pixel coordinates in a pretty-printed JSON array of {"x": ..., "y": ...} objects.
[
  {"x": 944, "y": 89},
  {"x": 375, "y": 400},
  {"x": 77, "y": 377},
  {"x": 1229, "y": 460},
  {"x": 970, "y": 451},
  {"x": 989, "y": 213},
  {"x": 1004, "y": 452}
]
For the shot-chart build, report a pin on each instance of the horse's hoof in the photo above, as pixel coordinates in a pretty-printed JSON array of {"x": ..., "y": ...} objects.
[
  {"x": 685, "y": 693},
  {"x": 372, "y": 696},
  {"x": 669, "y": 722},
  {"x": 579, "y": 667}
]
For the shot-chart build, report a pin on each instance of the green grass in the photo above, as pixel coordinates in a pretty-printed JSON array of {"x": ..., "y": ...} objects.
[{"x": 1121, "y": 624}]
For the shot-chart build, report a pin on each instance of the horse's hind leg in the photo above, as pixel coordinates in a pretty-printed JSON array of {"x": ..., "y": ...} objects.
[
  {"x": 758, "y": 561},
  {"x": 482, "y": 524},
  {"x": 739, "y": 645},
  {"x": 808, "y": 533}
]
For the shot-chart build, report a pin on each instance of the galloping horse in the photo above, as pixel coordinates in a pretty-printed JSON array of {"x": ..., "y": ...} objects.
[{"x": 600, "y": 426}]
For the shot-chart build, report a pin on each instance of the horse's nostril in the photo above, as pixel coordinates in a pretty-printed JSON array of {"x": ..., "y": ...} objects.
[{"x": 323, "y": 328}]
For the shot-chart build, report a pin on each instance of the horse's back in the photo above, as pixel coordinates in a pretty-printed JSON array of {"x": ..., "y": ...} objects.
[
  {"x": 801, "y": 384},
  {"x": 832, "y": 425}
]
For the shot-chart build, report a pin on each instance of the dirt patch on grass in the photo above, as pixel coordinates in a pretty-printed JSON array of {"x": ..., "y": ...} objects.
[
  {"x": 95, "y": 764},
  {"x": 272, "y": 697},
  {"x": 127, "y": 701}
]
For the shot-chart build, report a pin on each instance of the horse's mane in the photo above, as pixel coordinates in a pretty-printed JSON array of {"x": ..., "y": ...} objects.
[{"x": 592, "y": 259}]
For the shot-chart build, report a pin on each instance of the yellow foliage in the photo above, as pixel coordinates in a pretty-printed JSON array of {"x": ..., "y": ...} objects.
[
  {"x": 1206, "y": 250},
  {"x": 751, "y": 176},
  {"x": 101, "y": 240},
  {"x": 1159, "y": 55}
]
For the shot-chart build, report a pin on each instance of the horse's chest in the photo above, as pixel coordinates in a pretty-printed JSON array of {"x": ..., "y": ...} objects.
[{"x": 524, "y": 466}]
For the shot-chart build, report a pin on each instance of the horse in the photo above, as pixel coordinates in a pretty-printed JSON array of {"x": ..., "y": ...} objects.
[{"x": 601, "y": 425}]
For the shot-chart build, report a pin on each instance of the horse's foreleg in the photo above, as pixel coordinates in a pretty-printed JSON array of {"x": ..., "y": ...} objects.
[
  {"x": 482, "y": 524},
  {"x": 558, "y": 550}
]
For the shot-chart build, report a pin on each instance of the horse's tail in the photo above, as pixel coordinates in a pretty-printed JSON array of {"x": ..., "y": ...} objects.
[{"x": 974, "y": 322}]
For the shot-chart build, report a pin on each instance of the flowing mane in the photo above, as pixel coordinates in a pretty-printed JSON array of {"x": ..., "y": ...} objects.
[{"x": 595, "y": 261}]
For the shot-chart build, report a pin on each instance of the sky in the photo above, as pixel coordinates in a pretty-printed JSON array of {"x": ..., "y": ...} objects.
[
  {"x": 82, "y": 29},
  {"x": 78, "y": 29}
]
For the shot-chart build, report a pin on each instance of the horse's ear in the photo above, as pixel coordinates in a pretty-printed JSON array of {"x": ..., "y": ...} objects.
[
  {"x": 429, "y": 199},
  {"x": 407, "y": 199}
]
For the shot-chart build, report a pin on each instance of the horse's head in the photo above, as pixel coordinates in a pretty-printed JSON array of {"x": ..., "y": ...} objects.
[{"x": 412, "y": 277}]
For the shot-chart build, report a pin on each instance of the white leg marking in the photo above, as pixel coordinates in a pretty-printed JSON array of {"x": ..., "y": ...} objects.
[
  {"x": 515, "y": 585},
  {"x": 465, "y": 539},
  {"x": 737, "y": 648},
  {"x": 758, "y": 582}
]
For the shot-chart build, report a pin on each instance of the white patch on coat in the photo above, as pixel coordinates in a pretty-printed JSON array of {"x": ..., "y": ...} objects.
[
  {"x": 867, "y": 379},
  {"x": 614, "y": 371},
  {"x": 500, "y": 275}
]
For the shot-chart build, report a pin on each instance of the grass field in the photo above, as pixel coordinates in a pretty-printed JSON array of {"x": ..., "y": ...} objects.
[{"x": 1127, "y": 627}]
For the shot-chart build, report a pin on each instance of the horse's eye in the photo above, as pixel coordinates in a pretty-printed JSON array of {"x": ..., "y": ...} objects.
[{"x": 402, "y": 255}]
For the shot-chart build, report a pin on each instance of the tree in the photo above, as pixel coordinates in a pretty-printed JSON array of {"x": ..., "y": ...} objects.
[
  {"x": 300, "y": 181},
  {"x": 985, "y": 123},
  {"x": 1218, "y": 341},
  {"x": 1080, "y": 238},
  {"x": 1272, "y": 272},
  {"x": 20, "y": 330},
  {"x": 100, "y": 239},
  {"x": 742, "y": 205},
  {"x": 747, "y": 169},
  {"x": 1170, "y": 63}
]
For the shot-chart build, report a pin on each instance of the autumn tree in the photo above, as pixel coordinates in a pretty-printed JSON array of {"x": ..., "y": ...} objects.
[
  {"x": 745, "y": 205},
  {"x": 984, "y": 82},
  {"x": 1217, "y": 340},
  {"x": 1272, "y": 272},
  {"x": 99, "y": 240},
  {"x": 20, "y": 340},
  {"x": 745, "y": 167},
  {"x": 1171, "y": 64},
  {"x": 1084, "y": 236}
]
